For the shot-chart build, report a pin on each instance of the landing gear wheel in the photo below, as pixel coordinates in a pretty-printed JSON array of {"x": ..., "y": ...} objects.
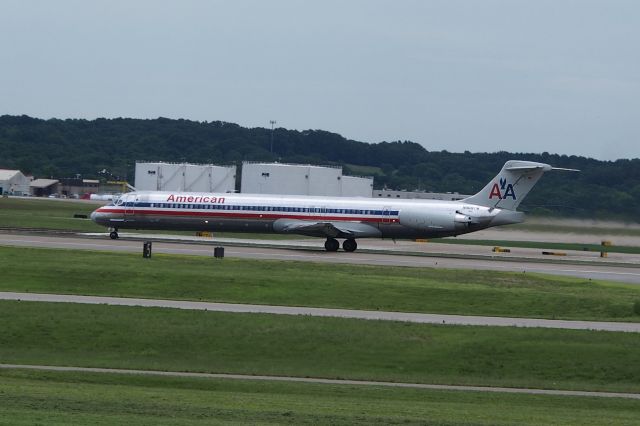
[
  {"x": 113, "y": 235},
  {"x": 349, "y": 245},
  {"x": 331, "y": 244}
]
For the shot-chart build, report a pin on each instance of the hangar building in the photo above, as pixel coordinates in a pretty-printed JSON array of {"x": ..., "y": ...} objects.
[
  {"x": 184, "y": 177},
  {"x": 14, "y": 182},
  {"x": 299, "y": 179},
  {"x": 44, "y": 187},
  {"x": 356, "y": 186}
]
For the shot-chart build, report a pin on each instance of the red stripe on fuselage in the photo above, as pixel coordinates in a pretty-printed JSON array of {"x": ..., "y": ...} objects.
[{"x": 227, "y": 214}]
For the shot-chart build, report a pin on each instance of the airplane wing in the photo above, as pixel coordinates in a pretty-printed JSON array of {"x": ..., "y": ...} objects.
[{"x": 326, "y": 229}]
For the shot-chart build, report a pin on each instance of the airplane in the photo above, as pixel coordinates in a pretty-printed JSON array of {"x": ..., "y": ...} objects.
[{"x": 332, "y": 218}]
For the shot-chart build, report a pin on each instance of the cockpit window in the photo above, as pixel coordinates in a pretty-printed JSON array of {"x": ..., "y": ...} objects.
[{"x": 119, "y": 202}]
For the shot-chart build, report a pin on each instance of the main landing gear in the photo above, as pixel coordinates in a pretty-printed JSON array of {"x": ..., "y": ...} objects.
[
  {"x": 331, "y": 244},
  {"x": 113, "y": 234},
  {"x": 348, "y": 245}
]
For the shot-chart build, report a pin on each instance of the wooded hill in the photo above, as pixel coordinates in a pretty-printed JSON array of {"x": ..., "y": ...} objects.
[{"x": 63, "y": 148}]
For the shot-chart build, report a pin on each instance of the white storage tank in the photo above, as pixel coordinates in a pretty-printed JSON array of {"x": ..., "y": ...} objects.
[{"x": 159, "y": 176}]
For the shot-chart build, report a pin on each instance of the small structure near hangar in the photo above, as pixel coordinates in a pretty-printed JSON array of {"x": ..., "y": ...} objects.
[
  {"x": 44, "y": 187},
  {"x": 76, "y": 187}
]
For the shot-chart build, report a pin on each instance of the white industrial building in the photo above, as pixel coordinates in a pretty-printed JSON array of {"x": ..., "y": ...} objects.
[
  {"x": 184, "y": 177},
  {"x": 356, "y": 186},
  {"x": 299, "y": 179},
  {"x": 14, "y": 182}
]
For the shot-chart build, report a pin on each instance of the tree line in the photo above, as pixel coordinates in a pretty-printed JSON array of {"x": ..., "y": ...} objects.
[{"x": 97, "y": 148}]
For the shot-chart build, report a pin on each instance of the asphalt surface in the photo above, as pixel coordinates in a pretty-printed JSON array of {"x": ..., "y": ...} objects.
[
  {"x": 550, "y": 392},
  {"x": 327, "y": 312},
  {"x": 588, "y": 270}
]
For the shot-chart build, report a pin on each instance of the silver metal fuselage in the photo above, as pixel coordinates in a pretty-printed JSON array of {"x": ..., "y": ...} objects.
[{"x": 357, "y": 217}]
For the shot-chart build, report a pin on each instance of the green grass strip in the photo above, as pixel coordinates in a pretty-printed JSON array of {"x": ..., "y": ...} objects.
[
  {"x": 177, "y": 340},
  {"x": 28, "y": 398},
  {"x": 47, "y": 214},
  {"x": 464, "y": 292}
]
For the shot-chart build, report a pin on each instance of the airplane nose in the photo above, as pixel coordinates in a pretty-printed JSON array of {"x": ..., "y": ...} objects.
[{"x": 94, "y": 215}]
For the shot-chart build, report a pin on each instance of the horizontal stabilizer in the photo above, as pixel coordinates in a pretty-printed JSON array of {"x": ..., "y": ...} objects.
[
  {"x": 528, "y": 168},
  {"x": 564, "y": 170}
]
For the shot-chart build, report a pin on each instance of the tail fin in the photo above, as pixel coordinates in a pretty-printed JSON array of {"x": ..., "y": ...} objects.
[{"x": 513, "y": 183}]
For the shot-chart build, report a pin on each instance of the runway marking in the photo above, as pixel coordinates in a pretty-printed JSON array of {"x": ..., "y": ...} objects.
[
  {"x": 459, "y": 388},
  {"x": 421, "y": 318}
]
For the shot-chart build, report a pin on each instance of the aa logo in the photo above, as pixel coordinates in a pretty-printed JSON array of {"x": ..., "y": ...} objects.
[{"x": 502, "y": 191}]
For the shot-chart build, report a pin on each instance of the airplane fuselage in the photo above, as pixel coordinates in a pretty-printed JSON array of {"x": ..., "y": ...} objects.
[
  {"x": 331, "y": 218},
  {"x": 305, "y": 215}
]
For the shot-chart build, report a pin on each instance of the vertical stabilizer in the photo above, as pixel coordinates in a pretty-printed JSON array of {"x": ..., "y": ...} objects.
[{"x": 510, "y": 186}]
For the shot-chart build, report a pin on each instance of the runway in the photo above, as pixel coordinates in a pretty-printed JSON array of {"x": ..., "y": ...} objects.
[
  {"x": 550, "y": 392},
  {"x": 327, "y": 312},
  {"x": 261, "y": 250}
]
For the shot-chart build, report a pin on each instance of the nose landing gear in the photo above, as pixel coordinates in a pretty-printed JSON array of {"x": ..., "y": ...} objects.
[{"x": 114, "y": 234}]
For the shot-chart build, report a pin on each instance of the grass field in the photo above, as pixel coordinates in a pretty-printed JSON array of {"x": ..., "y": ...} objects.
[
  {"x": 164, "y": 339},
  {"x": 47, "y": 214},
  {"x": 315, "y": 284},
  {"x": 28, "y": 398},
  {"x": 177, "y": 340}
]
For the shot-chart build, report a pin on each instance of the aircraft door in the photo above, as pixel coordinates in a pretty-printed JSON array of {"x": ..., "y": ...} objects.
[
  {"x": 129, "y": 206},
  {"x": 386, "y": 215}
]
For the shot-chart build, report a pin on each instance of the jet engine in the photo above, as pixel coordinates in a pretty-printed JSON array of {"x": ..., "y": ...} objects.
[{"x": 438, "y": 221}]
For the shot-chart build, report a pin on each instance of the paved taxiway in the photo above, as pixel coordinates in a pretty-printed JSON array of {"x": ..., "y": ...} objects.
[
  {"x": 326, "y": 312},
  {"x": 552, "y": 392},
  {"x": 588, "y": 270}
]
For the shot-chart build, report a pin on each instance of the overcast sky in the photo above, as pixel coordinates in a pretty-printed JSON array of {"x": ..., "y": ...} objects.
[{"x": 521, "y": 76}]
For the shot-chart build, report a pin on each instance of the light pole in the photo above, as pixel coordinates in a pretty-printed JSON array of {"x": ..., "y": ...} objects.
[{"x": 272, "y": 123}]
